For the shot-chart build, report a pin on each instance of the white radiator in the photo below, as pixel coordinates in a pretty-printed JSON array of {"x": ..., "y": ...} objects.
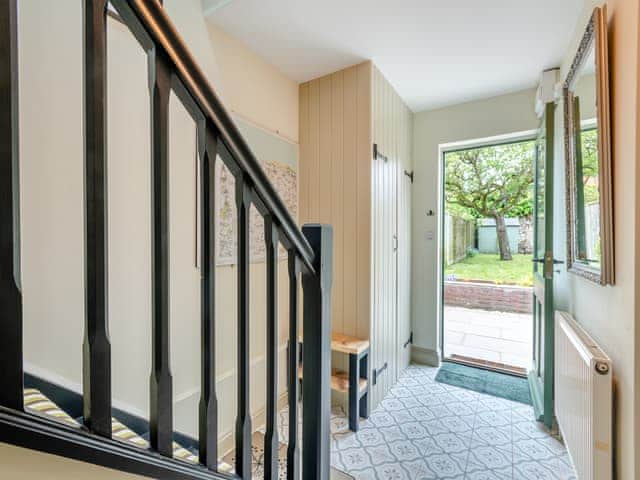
[{"x": 583, "y": 399}]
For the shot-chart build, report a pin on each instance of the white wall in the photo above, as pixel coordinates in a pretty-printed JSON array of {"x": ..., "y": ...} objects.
[
  {"x": 469, "y": 121},
  {"x": 610, "y": 314},
  {"x": 52, "y": 212}
]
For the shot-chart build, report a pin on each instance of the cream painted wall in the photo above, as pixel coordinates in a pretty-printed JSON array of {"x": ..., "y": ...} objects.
[
  {"x": 271, "y": 102},
  {"x": 469, "y": 121},
  {"x": 335, "y": 184},
  {"x": 52, "y": 236},
  {"x": 258, "y": 93},
  {"x": 610, "y": 314}
]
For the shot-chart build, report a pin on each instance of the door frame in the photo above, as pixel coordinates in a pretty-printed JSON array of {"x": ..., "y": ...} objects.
[{"x": 443, "y": 149}]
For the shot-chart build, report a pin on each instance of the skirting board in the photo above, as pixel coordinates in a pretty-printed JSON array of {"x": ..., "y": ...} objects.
[{"x": 425, "y": 356}]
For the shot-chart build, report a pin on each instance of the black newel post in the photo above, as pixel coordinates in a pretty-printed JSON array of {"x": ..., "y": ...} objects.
[{"x": 316, "y": 396}]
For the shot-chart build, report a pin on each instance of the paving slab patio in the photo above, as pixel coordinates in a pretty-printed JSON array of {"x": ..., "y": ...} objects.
[{"x": 498, "y": 337}]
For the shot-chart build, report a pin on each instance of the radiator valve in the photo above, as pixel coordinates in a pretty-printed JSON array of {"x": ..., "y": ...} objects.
[{"x": 602, "y": 368}]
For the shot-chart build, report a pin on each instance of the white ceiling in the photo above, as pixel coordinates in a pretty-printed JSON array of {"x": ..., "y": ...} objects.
[{"x": 434, "y": 52}]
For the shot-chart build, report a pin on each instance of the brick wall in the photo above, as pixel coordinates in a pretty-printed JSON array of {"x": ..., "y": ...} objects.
[{"x": 502, "y": 298}]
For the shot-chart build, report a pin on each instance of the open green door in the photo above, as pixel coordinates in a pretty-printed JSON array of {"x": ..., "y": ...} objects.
[{"x": 541, "y": 374}]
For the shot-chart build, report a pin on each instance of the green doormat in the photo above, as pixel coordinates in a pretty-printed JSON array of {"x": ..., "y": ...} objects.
[{"x": 484, "y": 381}]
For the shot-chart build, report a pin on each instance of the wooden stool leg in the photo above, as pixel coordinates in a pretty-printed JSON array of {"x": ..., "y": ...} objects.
[
  {"x": 354, "y": 376},
  {"x": 364, "y": 373}
]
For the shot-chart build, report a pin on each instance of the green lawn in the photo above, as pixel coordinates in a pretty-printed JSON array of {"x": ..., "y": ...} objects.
[{"x": 488, "y": 267}]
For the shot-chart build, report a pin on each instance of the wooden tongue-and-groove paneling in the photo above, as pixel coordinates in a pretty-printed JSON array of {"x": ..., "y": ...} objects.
[
  {"x": 368, "y": 203},
  {"x": 335, "y": 184}
]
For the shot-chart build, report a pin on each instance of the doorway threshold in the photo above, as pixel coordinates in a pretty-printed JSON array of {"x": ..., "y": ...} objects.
[
  {"x": 487, "y": 365},
  {"x": 496, "y": 384}
]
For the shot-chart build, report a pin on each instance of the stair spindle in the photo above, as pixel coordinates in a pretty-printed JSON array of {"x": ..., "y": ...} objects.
[
  {"x": 243, "y": 421},
  {"x": 208, "y": 417},
  {"x": 271, "y": 442},
  {"x": 96, "y": 365},
  {"x": 161, "y": 399}
]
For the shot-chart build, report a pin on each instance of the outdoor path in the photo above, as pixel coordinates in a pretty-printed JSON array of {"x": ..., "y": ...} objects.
[{"x": 492, "y": 336}]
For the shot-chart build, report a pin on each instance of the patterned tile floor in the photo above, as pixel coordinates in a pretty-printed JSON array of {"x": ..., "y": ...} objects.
[{"x": 428, "y": 430}]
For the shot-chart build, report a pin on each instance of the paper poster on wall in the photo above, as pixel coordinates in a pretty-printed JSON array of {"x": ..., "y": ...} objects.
[{"x": 279, "y": 160}]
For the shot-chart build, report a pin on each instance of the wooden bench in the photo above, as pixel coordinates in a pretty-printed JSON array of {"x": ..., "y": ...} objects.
[{"x": 355, "y": 381}]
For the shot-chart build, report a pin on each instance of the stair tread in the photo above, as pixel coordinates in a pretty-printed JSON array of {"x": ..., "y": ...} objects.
[{"x": 39, "y": 404}]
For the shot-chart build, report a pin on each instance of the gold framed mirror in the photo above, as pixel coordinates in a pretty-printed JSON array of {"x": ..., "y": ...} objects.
[{"x": 587, "y": 133}]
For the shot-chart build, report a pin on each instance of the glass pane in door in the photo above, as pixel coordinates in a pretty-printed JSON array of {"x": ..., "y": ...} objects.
[{"x": 540, "y": 199}]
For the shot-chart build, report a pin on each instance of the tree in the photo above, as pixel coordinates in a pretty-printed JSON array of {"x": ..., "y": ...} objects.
[
  {"x": 589, "y": 139},
  {"x": 492, "y": 182}
]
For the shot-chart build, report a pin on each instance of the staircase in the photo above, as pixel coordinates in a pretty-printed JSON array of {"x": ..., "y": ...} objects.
[
  {"x": 37, "y": 403},
  {"x": 30, "y": 419}
]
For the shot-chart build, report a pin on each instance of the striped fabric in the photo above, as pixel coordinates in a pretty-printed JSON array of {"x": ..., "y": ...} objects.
[
  {"x": 123, "y": 433},
  {"x": 120, "y": 431},
  {"x": 182, "y": 453},
  {"x": 36, "y": 402}
]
